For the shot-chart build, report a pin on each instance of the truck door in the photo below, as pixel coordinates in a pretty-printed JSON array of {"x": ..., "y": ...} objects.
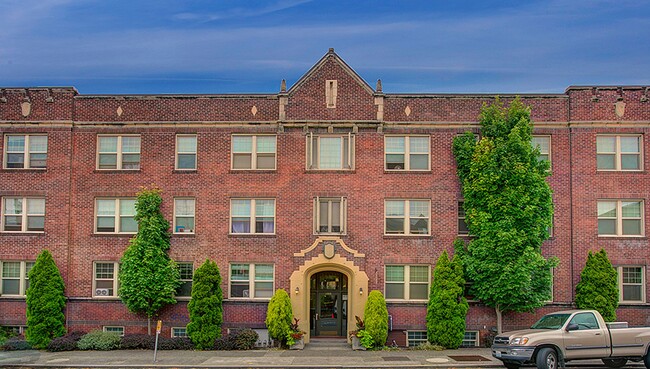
[{"x": 588, "y": 340}]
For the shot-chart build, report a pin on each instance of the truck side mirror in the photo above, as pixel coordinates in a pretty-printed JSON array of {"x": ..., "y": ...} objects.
[{"x": 572, "y": 327}]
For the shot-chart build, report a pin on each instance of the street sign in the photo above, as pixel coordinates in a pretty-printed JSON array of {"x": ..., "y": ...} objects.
[{"x": 159, "y": 326}]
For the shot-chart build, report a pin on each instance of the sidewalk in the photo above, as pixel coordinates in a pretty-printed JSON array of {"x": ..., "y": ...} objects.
[{"x": 266, "y": 358}]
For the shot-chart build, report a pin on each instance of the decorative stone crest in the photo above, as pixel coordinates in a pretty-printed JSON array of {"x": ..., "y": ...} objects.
[
  {"x": 26, "y": 108},
  {"x": 619, "y": 109},
  {"x": 329, "y": 250},
  {"x": 407, "y": 111},
  {"x": 119, "y": 111},
  {"x": 254, "y": 110}
]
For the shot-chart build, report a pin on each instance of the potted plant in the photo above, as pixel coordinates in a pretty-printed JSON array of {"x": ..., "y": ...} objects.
[
  {"x": 295, "y": 336},
  {"x": 361, "y": 339}
]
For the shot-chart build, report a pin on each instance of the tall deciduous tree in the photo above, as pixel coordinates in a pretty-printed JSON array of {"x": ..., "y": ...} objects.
[
  {"x": 148, "y": 276},
  {"x": 508, "y": 209},
  {"x": 279, "y": 315},
  {"x": 598, "y": 286},
  {"x": 45, "y": 302},
  {"x": 205, "y": 308},
  {"x": 447, "y": 307}
]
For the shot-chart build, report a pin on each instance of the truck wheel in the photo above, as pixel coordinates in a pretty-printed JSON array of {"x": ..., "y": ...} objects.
[
  {"x": 646, "y": 361},
  {"x": 546, "y": 359},
  {"x": 615, "y": 363},
  {"x": 511, "y": 365}
]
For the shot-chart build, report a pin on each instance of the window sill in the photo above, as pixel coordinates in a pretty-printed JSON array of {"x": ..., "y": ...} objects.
[
  {"x": 105, "y": 298},
  {"x": 407, "y": 302},
  {"x": 631, "y": 303},
  {"x": 184, "y": 235},
  {"x": 31, "y": 233},
  {"x": 13, "y": 297},
  {"x": 185, "y": 171},
  {"x": 256, "y": 171},
  {"x": 114, "y": 234},
  {"x": 117, "y": 170},
  {"x": 247, "y": 299},
  {"x": 614, "y": 171},
  {"x": 252, "y": 235},
  {"x": 324, "y": 234},
  {"x": 618, "y": 237},
  {"x": 330, "y": 171},
  {"x": 404, "y": 171},
  {"x": 36, "y": 170},
  {"x": 184, "y": 298},
  {"x": 406, "y": 236}
]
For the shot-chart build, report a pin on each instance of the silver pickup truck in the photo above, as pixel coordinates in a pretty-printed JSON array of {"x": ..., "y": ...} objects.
[{"x": 572, "y": 335}]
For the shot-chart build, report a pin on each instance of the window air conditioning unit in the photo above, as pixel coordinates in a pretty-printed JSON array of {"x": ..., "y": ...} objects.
[{"x": 101, "y": 292}]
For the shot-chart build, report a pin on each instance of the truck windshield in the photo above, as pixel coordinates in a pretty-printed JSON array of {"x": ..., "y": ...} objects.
[{"x": 551, "y": 321}]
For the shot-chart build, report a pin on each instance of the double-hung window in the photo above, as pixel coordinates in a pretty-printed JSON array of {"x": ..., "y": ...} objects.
[
  {"x": 116, "y": 215},
  {"x": 462, "y": 224},
  {"x": 186, "y": 152},
  {"x": 631, "y": 284},
  {"x": 186, "y": 271},
  {"x": 330, "y": 215},
  {"x": 25, "y": 151},
  {"x": 105, "y": 282},
  {"x": 620, "y": 218},
  {"x": 255, "y": 152},
  {"x": 407, "y": 152},
  {"x": 543, "y": 144},
  {"x": 330, "y": 152},
  {"x": 407, "y": 217},
  {"x": 23, "y": 214},
  {"x": 619, "y": 152},
  {"x": 15, "y": 277},
  {"x": 407, "y": 282},
  {"x": 184, "y": 215},
  {"x": 251, "y": 281},
  {"x": 118, "y": 152},
  {"x": 252, "y": 216}
]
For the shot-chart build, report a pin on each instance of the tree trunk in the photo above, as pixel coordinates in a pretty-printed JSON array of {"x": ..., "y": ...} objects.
[
  {"x": 149, "y": 325},
  {"x": 499, "y": 320}
]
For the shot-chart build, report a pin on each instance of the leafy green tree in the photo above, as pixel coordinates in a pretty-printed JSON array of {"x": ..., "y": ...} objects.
[
  {"x": 148, "y": 276},
  {"x": 279, "y": 316},
  {"x": 598, "y": 286},
  {"x": 45, "y": 302},
  {"x": 375, "y": 316},
  {"x": 447, "y": 306},
  {"x": 205, "y": 308},
  {"x": 508, "y": 209}
]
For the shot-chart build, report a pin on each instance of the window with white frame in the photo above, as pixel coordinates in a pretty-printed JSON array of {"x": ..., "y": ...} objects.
[
  {"x": 619, "y": 152},
  {"x": 407, "y": 152},
  {"x": 184, "y": 209},
  {"x": 543, "y": 143},
  {"x": 118, "y": 152},
  {"x": 330, "y": 215},
  {"x": 407, "y": 217},
  {"x": 23, "y": 214},
  {"x": 471, "y": 339},
  {"x": 255, "y": 152},
  {"x": 620, "y": 218},
  {"x": 186, "y": 152},
  {"x": 462, "y": 225},
  {"x": 416, "y": 338},
  {"x": 330, "y": 152},
  {"x": 407, "y": 282},
  {"x": 252, "y": 216},
  {"x": 251, "y": 281},
  {"x": 631, "y": 284},
  {"x": 115, "y": 215},
  {"x": 179, "y": 332},
  {"x": 25, "y": 151},
  {"x": 14, "y": 330},
  {"x": 186, "y": 271},
  {"x": 15, "y": 277},
  {"x": 105, "y": 282},
  {"x": 114, "y": 329}
]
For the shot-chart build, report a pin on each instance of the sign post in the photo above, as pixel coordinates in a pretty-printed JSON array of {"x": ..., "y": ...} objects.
[{"x": 155, "y": 348}]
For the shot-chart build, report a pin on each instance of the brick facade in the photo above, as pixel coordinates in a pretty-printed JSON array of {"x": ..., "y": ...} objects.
[{"x": 71, "y": 183}]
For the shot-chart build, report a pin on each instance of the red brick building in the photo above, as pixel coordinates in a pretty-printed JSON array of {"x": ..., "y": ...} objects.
[{"x": 328, "y": 189}]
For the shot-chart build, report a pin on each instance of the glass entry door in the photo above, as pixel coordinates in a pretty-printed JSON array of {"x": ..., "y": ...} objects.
[{"x": 328, "y": 304}]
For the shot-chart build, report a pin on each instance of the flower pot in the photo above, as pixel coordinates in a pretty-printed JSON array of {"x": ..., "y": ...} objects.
[
  {"x": 298, "y": 345},
  {"x": 356, "y": 344}
]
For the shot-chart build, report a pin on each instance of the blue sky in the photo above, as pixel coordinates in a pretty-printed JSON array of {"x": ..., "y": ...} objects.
[{"x": 237, "y": 46}]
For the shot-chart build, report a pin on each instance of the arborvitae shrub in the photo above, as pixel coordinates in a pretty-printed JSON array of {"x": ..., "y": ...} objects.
[
  {"x": 279, "y": 316},
  {"x": 98, "y": 340},
  {"x": 45, "y": 302},
  {"x": 375, "y": 316},
  {"x": 447, "y": 307},
  {"x": 598, "y": 286},
  {"x": 205, "y": 308}
]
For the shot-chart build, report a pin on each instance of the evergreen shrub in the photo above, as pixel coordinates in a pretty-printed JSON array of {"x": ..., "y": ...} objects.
[
  {"x": 598, "y": 286},
  {"x": 65, "y": 343},
  {"x": 206, "y": 307},
  {"x": 98, "y": 340},
  {"x": 279, "y": 316},
  {"x": 375, "y": 316}
]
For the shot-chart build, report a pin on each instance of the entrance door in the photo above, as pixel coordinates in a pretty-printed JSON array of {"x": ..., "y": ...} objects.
[{"x": 328, "y": 304}]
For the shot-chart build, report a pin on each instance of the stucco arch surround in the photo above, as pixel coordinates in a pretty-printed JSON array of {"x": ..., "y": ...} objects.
[{"x": 357, "y": 281}]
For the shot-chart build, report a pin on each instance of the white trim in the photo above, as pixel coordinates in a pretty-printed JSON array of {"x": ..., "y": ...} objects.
[
  {"x": 23, "y": 276},
  {"x": 252, "y": 280},
  {"x": 619, "y": 270},
  {"x": 254, "y": 154},
  {"x": 407, "y": 282},
  {"x": 313, "y": 151},
  {"x": 191, "y": 280},
  {"x": 193, "y": 216},
  {"x": 172, "y": 331},
  {"x": 177, "y": 152},
  {"x": 252, "y": 216},
  {"x": 113, "y": 329},
  {"x": 119, "y": 153},
  {"x": 550, "y": 150},
  {"x": 343, "y": 203},
  {"x": 619, "y": 218},
  {"x": 407, "y": 153},
  {"x": 26, "y": 152},
  {"x": 116, "y": 216},
  {"x": 407, "y": 217},
  {"x": 617, "y": 153},
  {"x": 115, "y": 279},
  {"x": 24, "y": 214}
]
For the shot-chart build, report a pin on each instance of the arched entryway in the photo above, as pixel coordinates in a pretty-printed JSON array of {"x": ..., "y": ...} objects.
[{"x": 328, "y": 304}]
